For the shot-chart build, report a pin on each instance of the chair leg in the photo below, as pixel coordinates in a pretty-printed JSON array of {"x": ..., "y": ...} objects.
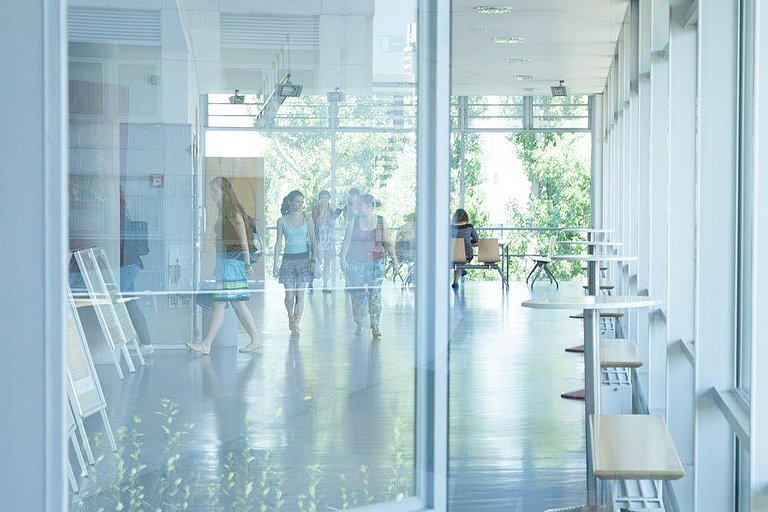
[
  {"x": 551, "y": 277},
  {"x": 504, "y": 283},
  {"x": 535, "y": 266},
  {"x": 534, "y": 275}
]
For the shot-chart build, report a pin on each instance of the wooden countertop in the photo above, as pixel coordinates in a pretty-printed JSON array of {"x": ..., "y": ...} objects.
[
  {"x": 633, "y": 446},
  {"x": 619, "y": 354}
]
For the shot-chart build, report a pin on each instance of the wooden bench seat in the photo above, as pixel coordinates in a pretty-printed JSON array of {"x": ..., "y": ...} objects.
[
  {"x": 619, "y": 353},
  {"x": 633, "y": 447}
]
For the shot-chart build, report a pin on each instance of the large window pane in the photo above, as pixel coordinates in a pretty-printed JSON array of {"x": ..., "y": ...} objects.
[{"x": 189, "y": 128}]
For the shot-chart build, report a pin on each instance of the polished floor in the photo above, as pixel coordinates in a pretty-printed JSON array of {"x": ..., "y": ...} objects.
[{"x": 326, "y": 421}]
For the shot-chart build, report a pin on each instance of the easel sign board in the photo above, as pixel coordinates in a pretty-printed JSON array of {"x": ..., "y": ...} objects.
[
  {"x": 81, "y": 373},
  {"x": 121, "y": 311},
  {"x": 90, "y": 271}
]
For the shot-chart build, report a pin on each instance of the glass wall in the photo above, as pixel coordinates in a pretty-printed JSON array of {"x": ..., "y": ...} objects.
[{"x": 255, "y": 347}]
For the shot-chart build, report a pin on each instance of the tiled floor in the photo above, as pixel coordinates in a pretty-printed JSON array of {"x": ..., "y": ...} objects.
[{"x": 328, "y": 420}]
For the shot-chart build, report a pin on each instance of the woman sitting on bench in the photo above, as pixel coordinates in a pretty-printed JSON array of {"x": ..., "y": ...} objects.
[{"x": 463, "y": 229}]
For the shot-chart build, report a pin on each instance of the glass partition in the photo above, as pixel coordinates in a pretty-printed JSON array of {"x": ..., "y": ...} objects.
[{"x": 277, "y": 326}]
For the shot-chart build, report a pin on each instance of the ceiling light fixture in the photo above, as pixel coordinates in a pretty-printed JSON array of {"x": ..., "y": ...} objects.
[
  {"x": 530, "y": 89},
  {"x": 487, "y": 9},
  {"x": 508, "y": 40},
  {"x": 522, "y": 77},
  {"x": 559, "y": 90},
  {"x": 518, "y": 61}
]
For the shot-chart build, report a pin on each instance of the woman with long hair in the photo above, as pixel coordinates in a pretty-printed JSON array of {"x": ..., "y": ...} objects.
[
  {"x": 352, "y": 208},
  {"x": 363, "y": 258},
  {"x": 324, "y": 217},
  {"x": 233, "y": 266},
  {"x": 299, "y": 255},
  {"x": 462, "y": 228}
]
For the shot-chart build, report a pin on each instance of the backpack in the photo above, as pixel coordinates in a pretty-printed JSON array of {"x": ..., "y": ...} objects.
[
  {"x": 135, "y": 237},
  {"x": 255, "y": 245}
]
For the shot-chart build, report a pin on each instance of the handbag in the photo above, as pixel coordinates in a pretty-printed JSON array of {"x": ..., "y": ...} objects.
[{"x": 255, "y": 244}]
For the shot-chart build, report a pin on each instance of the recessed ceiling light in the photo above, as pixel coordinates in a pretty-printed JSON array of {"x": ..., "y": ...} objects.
[
  {"x": 508, "y": 40},
  {"x": 518, "y": 61},
  {"x": 522, "y": 77},
  {"x": 486, "y": 9}
]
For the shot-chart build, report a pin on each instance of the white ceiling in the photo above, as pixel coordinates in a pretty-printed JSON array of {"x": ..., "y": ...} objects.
[{"x": 571, "y": 40}]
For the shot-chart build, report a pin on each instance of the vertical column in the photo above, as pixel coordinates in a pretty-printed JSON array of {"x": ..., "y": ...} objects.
[
  {"x": 681, "y": 263},
  {"x": 432, "y": 300},
  {"x": 597, "y": 190},
  {"x": 644, "y": 142},
  {"x": 656, "y": 251},
  {"x": 715, "y": 247},
  {"x": 759, "y": 385},
  {"x": 33, "y": 222}
]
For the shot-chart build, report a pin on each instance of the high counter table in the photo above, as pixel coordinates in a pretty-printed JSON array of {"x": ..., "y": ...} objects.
[
  {"x": 592, "y": 279},
  {"x": 591, "y": 305}
]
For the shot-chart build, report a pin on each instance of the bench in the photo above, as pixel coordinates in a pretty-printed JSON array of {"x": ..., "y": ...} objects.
[{"x": 488, "y": 257}]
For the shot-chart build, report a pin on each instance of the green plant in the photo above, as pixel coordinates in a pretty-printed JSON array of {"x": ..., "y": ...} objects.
[
  {"x": 398, "y": 482},
  {"x": 310, "y": 501},
  {"x": 173, "y": 494}
]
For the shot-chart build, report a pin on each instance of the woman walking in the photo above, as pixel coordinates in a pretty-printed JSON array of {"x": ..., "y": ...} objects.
[
  {"x": 233, "y": 265},
  {"x": 324, "y": 218},
  {"x": 363, "y": 258},
  {"x": 299, "y": 256}
]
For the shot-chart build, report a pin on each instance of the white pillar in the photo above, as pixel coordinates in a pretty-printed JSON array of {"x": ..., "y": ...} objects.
[
  {"x": 681, "y": 265},
  {"x": 597, "y": 192},
  {"x": 33, "y": 223},
  {"x": 656, "y": 251},
  {"x": 759, "y": 326},
  {"x": 433, "y": 201},
  {"x": 715, "y": 248}
]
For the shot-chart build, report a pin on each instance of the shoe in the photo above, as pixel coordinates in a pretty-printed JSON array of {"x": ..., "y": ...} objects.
[
  {"x": 376, "y": 332},
  {"x": 326, "y": 290},
  {"x": 199, "y": 347},
  {"x": 455, "y": 286}
]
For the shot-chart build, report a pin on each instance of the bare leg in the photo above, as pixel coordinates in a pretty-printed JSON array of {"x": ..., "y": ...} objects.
[
  {"x": 456, "y": 276},
  {"x": 245, "y": 317},
  {"x": 290, "y": 301},
  {"x": 298, "y": 309},
  {"x": 217, "y": 318},
  {"x": 327, "y": 264}
]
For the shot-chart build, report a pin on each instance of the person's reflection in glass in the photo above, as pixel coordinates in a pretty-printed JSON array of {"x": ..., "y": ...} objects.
[
  {"x": 324, "y": 217},
  {"x": 233, "y": 265},
  {"x": 133, "y": 245},
  {"x": 363, "y": 258}
]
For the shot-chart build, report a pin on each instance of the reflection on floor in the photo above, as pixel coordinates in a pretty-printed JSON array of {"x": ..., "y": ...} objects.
[
  {"x": 514, "y": 444},
  {"x": 326, "y": 421}
]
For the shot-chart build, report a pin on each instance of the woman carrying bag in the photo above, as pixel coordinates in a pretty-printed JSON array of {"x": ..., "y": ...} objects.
[
  {"x": 233, "y": 266},
  {"x": 363, "y": 259}
]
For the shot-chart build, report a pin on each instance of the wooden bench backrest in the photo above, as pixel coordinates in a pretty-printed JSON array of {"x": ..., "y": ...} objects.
[
  {"x": 459, "y": 255},
  {"x": 488, "y": 250}
]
